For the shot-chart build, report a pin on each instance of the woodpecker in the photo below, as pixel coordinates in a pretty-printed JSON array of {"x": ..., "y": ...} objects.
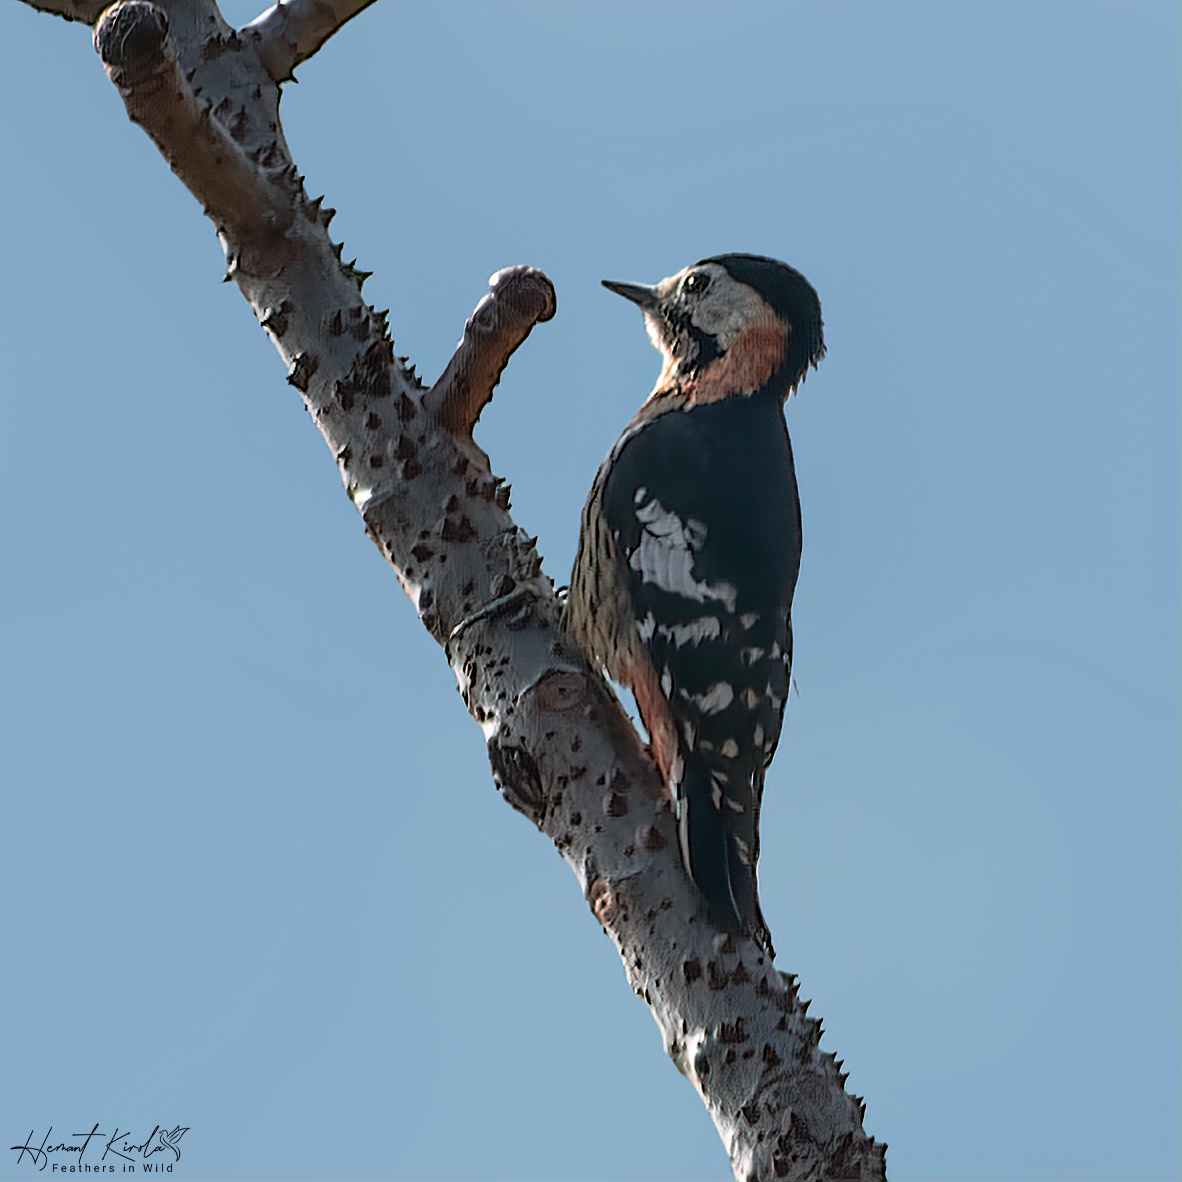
[{"x": 689, "y": 552}]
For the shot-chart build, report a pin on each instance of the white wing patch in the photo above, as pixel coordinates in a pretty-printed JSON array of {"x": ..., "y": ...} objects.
[
  {"x": 665, "y": 555},
  {"x": 683, "y": 635},
  {"x": 717, "y": 698}
]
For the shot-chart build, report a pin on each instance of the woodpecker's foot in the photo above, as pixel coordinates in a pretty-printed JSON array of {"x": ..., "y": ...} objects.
[{"x": 493, "y": 609}]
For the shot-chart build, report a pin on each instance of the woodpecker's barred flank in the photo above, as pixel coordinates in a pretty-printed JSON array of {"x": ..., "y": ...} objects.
[{"x": 689, "y": 551}]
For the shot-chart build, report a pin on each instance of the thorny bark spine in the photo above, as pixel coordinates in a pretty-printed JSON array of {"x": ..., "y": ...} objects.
[{"x": 562, "y": 750}]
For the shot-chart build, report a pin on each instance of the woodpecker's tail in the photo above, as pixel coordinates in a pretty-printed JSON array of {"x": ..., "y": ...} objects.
[{"x": 719, "y": 845}]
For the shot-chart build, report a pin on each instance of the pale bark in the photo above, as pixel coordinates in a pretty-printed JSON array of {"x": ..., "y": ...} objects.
[
  {"x": 87, "y": 11},
  {"x": 293, "y": 30},
  {"x": 562, "y": 750}
]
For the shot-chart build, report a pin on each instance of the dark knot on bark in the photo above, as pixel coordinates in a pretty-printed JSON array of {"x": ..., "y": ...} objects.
[{"x": 130, "y": 38}]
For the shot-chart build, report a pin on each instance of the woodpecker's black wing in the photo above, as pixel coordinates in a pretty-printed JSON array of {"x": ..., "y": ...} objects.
[{"x": 703, "y": 509}]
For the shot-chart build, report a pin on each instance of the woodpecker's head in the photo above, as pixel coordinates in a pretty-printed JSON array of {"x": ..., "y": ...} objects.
[{"x": 732, "y": 324}]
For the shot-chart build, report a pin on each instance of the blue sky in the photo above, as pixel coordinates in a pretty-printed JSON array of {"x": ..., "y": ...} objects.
[{"x": 256, "y": 880}]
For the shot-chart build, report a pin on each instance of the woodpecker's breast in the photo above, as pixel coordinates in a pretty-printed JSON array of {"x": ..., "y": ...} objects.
[
  {"x": 702, "y": 506},
  {"x": 698, "y": 512}
]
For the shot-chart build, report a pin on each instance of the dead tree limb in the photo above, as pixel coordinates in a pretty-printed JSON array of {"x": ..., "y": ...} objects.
[{"x": 562, "y": 750}]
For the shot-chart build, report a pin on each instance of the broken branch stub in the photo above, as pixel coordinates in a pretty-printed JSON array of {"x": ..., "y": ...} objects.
[
  {"x": 247, "y": 194},
  {"x": 131, "y": 41},
  {"x": 518, "y": 298}
]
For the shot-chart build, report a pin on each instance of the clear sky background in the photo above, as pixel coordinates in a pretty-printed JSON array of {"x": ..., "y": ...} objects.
[{"x": 256, "y": 879}]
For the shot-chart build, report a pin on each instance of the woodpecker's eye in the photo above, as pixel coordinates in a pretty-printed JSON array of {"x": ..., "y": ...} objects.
[{"x": 695, "y": 283}]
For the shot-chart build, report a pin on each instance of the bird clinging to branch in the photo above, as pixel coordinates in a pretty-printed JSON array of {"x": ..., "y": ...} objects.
[{"x": 689, "y": 552}]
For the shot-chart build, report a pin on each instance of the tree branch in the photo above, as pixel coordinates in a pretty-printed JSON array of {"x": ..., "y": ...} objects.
[
  {"x": 519, "y": 298},
  {"x": 86, "y": 11},
  {"x": 563, "y": 751},
  {"x": 248, "y": 195},
  {"x": 294, "y": 30}
]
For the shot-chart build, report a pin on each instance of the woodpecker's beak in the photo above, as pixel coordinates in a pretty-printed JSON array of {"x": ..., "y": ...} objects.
[{"x": 645, "y": 297}]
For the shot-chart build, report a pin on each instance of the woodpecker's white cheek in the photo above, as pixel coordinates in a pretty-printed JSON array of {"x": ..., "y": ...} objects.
[
  {"x": 665, "y": 556},
  {"x": 729, "y": 309}
]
